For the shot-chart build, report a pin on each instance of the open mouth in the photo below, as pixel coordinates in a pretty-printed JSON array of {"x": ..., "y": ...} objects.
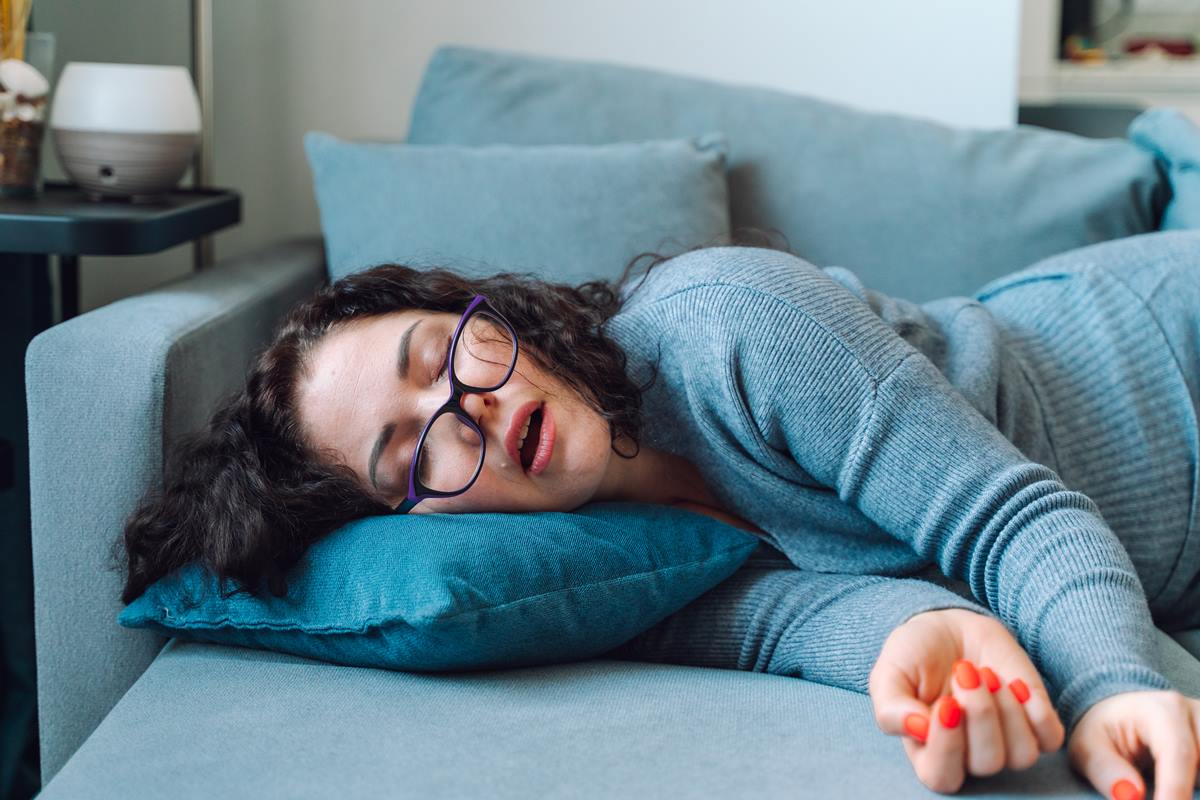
[{"x": 532, "y": 439}]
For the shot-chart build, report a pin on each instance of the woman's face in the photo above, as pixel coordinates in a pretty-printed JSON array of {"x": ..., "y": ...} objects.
[{"x": 355, "y": 390}]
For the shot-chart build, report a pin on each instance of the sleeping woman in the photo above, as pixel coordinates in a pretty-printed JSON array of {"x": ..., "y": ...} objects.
[{"x": 974, "y": 509}]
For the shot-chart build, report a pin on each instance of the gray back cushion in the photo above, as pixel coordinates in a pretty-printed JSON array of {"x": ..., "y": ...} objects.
[{"x": 916, "y": 208}]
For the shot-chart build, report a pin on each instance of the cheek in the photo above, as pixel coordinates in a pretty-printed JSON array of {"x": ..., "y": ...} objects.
[
  {"x": 490, "y": 492},
  {"x": 586, "y": 447}
]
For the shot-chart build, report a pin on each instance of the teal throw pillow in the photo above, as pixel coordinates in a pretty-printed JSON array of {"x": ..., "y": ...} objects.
[
  {"x": 567, "y": 213},
  {"x": 432, "y": 592},
  {"x": 1174, "y": 139}
]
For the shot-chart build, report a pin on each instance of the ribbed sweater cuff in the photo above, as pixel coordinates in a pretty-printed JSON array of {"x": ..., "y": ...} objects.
[
  {"x": 1083, "y": 621},
  {"x": 840, "y": 645},
  {"x": 1088, "y": 688}
]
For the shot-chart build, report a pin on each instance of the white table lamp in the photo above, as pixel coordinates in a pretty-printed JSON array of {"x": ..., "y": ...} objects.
[{"x": 125, "y": 130}]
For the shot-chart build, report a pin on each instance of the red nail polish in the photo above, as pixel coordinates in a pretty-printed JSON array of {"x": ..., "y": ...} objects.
[
  {"x": 1125, "y": 790},
  {"x": 949, "y": 713},
  {"x": 1019, "y": 690},
  {"x": 965, "y": 674},
  {"x": 990, "y": 679},
  {"x": 917, "y": 727}
]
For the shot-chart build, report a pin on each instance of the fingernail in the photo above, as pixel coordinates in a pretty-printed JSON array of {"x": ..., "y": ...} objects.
[
  {"x": 990, "y": 679},
  {"x": 1125, "y": 790},
  {"x": 1019, "y": 690},
  {"x": 965, "y": 674},
  {"x": 949, "y": 712},
  {"x": 917, "y": 727}
]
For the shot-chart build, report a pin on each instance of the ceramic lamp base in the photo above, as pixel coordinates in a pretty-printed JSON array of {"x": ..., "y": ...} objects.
[{"x": 131, "y": 165}]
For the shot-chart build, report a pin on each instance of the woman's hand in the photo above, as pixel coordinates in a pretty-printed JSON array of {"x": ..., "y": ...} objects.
[
  {"x": 964, "y": 697},
  {"x": 1125, "y": 733}
]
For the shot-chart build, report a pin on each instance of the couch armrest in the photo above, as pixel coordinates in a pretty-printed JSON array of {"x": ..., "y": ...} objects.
[{"x": 105, "y": 399}]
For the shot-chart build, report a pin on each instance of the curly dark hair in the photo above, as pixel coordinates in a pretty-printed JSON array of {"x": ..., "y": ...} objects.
[{"x": 247, "y": 495}]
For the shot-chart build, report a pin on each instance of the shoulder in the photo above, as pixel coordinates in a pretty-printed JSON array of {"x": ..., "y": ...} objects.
[
  {"x": 760, "y": 296},
  {"x": 744, "y": 267}
]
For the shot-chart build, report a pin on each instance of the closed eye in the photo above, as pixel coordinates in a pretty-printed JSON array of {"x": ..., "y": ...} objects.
[{"x": 445, "y": 362}]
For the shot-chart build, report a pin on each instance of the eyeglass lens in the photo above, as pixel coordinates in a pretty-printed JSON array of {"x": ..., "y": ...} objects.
[{"x": 483, "y": 358}]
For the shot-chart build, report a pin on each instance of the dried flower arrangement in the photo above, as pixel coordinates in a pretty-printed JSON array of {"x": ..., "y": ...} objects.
[{"x": 23, "y": 95}]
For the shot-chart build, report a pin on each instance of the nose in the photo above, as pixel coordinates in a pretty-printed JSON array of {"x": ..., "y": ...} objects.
[{"x": 481, "y": 407}]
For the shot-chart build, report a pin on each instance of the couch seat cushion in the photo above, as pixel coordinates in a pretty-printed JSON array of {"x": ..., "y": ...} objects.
[{"x": 209, "y": 721}]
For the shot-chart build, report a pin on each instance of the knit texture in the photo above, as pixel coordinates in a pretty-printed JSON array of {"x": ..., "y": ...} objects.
[{"x": 873, "y": 439}]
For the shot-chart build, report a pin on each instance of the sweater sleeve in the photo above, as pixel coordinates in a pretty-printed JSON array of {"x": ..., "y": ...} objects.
[
  {"x": 869, "y": 416},
  {"x": 931, "y": 468},
  {"x": 823, "y": 627}
]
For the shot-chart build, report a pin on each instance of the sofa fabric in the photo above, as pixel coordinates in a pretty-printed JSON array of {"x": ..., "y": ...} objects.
[
  {"x": 210, "y": 721},
  {"x": 108, "y": 392},
  {"x": 568, "y": 213},
  {"x": 917, "y": 209}
]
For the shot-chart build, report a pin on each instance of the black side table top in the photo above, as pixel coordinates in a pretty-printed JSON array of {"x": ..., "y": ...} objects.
[{"x": 63, "y": 220}]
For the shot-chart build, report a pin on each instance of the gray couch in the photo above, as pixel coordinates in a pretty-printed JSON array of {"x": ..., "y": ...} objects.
[{"x": 125, "y": 714}]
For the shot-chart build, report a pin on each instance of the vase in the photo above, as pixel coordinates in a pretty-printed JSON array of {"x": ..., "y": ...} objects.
[{"x": 23, "y": 116}]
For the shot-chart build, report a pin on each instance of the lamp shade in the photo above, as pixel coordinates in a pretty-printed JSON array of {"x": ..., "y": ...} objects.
[{"x": 125, "y": 129}]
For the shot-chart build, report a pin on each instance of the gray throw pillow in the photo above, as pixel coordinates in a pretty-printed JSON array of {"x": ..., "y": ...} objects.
[{"x": 568, "y": 213}]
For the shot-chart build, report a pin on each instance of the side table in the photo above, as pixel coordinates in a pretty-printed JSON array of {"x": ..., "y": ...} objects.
[{"x": 60, "y": 222}]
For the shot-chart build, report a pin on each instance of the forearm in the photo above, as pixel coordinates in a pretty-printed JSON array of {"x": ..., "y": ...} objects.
[
  {"x": 1036, "y": 553},
  {"x": 1073, "y": 599},
  {"x": 823, "y": 627}
]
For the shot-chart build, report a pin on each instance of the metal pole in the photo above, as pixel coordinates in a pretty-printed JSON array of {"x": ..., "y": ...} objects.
[{"x": 202, "y": 74}]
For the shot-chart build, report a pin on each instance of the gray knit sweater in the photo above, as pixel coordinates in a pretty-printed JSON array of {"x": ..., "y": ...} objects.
[{"x": 872, "y": 439}]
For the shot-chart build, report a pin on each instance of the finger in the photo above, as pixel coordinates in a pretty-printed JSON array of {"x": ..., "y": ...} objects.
[
  {"x": 940, "y": 762},
  {"x": 916, "y": 757},
  {"x": 1092, "y": 753},
  {"x": 1031, "y": 694},
  {"x": 912, "y": 749},
  {"x": 1020, "y": 742},
  {"x": 1195, "y": 710},
  {"x": 1173, "y": 743},
  {"x": 898, "y": 712},
  {"x": 985, "y": 738}
]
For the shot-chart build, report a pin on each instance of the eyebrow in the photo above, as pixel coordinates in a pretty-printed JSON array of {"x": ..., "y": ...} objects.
[{"x": 385, "y": 435}]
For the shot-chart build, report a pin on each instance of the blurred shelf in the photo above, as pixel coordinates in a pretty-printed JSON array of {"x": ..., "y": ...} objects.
[
  {"x": 1129, "y": 80},
  {"x": 1132, "y": 75}
]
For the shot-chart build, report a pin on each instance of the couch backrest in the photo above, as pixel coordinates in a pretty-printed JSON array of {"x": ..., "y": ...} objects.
[{"x": 917, "y": 209}]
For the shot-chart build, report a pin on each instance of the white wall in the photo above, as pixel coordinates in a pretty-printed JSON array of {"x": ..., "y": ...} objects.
[
  {"x": 1039, "y": 39},
  {"x": 127, "y": 31},
  {"x": 283, "y": 67}
]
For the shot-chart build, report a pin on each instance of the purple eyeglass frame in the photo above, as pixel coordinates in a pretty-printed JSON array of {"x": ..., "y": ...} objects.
[{"x": 418, "y": 491}]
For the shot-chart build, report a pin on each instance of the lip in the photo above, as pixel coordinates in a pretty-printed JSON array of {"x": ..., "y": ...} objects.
[
  {"x": 541, "y": 459},
  {"x": 519, "y": 417}
]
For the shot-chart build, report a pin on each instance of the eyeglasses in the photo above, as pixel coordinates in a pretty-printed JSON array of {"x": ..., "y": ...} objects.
[{"x": 450, "y": 449}]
